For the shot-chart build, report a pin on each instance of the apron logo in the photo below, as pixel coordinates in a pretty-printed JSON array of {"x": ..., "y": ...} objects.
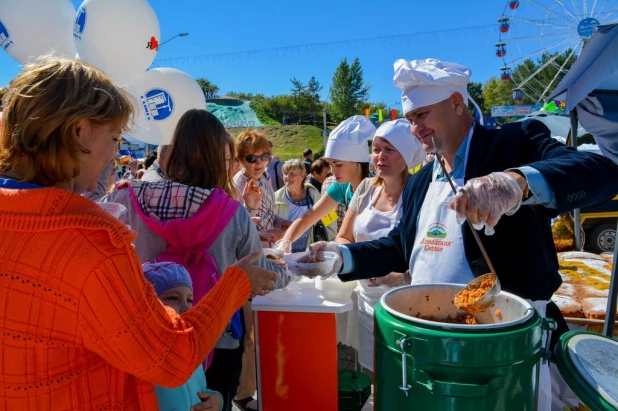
[
  {"x": 5, "y": 37},
  {"x": 433, "y": 242},
  {"x": 436, "y": 230},
  {"x": 80, "y": 23}
]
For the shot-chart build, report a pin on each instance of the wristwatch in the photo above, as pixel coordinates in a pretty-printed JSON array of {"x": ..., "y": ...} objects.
[{"x": 526, "y": 191}]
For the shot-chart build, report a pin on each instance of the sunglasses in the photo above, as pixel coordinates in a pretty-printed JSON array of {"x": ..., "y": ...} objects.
[{"x": 252, "y": 158}]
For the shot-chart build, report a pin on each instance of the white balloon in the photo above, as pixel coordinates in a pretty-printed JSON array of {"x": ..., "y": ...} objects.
[
  {"x": 32, "y": 28},
  {"x": 120, "y": 37},
  {"x": 161, "y": 97}
]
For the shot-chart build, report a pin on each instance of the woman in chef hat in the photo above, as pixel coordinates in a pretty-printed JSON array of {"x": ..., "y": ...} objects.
[
  {"x": 346, "y": 151},
  {"x": 373, "y": 212}
]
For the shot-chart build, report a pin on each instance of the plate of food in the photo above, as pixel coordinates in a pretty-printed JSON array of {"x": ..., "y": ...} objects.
[
  {"x": 303, "y": 264},
  {"x": 274, "y": 256}
]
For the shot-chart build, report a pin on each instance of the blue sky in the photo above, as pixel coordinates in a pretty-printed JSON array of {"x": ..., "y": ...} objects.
[{"x": 462, "y": 31}]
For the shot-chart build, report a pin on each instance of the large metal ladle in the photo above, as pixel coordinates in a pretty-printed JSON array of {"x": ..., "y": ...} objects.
[{"x": 484, "y": 302}]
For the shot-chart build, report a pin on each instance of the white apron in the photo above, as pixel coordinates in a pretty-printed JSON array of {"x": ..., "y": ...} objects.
[
  {"x": 371, "y": 224},
  {"x": 438, "y": 254}
]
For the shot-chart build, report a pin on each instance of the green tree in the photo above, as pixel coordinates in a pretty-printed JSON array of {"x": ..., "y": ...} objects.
[
  {"x": 556, "y": 66},
  {"x": 497, "y": 92},
  {"x": 270, "y": 110},
  {"x": 523, "y": 75},
  {"x": 306, "y": 98},
  {"x": 299, "y": 94},
  {"x": 209, "y": 89},
  {"x": 347, "y": 90},
  {"x": 475, "y": 90},
  {"x": 241, "y": 96},
  {"x": 315, "y": 105},
  {"x": 538, "y": 79}
]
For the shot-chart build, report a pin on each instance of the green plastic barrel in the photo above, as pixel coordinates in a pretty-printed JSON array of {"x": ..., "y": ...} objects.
[
  {"x": 455, "y": 367},
  {"x": 354, "y": 390}
]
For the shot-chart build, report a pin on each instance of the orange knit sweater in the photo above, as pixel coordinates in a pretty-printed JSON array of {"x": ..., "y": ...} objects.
[{"x": 80, "y": 328}]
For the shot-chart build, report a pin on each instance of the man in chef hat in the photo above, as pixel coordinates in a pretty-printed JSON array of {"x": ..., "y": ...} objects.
[{"x": 509, "y": 183}]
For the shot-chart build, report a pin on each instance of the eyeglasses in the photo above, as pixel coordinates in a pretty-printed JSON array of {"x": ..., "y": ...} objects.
[{"x": 252, "y": 158}]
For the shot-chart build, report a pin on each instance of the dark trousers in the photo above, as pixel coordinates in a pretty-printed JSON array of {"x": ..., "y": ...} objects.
[{"x": 224, "y": 374}]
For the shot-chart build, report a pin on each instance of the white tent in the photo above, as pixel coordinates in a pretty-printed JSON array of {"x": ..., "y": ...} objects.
[
  {"x": 590, "y": 89},
  {"x": 558, "y": 125}
]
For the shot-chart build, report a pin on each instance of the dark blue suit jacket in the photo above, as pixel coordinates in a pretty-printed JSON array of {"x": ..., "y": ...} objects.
[{"x": 522, "y": 249}]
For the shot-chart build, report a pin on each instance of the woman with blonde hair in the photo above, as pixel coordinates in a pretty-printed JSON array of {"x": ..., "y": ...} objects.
[
  {"x": 374, "y": 211},
  {"x": 81, "y": 327},
  {"x": 295, "y": 199},
  {"x": 193, "y": 219}
]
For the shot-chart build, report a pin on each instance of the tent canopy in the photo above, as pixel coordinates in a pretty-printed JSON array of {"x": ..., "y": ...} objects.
[
  {"x": 559, "y": 126},
  {"x": 591, "y": 87}
]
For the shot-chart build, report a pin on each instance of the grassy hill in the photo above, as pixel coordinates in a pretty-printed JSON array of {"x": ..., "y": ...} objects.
[{"x": 290, "y": 141}]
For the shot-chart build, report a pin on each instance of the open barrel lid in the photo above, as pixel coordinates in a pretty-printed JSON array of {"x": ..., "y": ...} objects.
[{"x": 589, "y": 364}]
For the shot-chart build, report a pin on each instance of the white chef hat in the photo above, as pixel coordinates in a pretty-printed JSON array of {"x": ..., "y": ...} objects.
[
  {"x": 348, "y": 141},
  {"x": 399, "y": 134},
  {"x": 429, "y": 81}
]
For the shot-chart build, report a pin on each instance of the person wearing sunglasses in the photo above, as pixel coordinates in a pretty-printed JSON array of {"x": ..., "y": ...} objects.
[{"x": 254, "y": 154}]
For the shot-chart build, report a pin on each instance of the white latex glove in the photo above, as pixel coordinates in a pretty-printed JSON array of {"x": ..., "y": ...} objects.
[
  {"x": 485, "y": 199},
  {"x": 315, "y": 248},
  {"x": 284, "y": 245}
]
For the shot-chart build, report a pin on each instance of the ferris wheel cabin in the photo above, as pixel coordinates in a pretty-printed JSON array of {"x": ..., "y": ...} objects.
[
  {"x": 505, "y": 74},
  {"x": 505, "y": 24},
  {"x": 518, "y": 95}
]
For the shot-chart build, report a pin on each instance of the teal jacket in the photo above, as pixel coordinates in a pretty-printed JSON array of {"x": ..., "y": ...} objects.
[{"x": 185, "y": 396}]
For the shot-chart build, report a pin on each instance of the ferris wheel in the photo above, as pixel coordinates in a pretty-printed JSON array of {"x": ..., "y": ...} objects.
[{"x": 540, "y": 39}]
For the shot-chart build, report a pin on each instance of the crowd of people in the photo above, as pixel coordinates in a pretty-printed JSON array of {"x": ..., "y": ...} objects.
[{"x": 153, "y": 311}]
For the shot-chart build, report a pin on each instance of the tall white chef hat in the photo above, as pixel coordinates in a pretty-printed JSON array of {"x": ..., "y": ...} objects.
[
  {"x": 399, "y": 134},
  {"x": 429, "y": 81},
  {"x": 348, "y": 141}
]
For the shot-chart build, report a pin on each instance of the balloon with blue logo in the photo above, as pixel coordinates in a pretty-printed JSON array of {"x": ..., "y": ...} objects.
[
  {"x": 32, "y": 28},
  {"x": 120, "y": 37},
  {"x": 161, "y": 97}
]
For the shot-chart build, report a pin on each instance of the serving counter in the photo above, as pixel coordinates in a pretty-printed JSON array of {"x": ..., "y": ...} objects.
[{"x": 296, "y": 348}]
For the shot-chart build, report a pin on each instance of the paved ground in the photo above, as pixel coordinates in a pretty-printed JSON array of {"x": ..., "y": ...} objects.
[{"x": 347, "y": 361}]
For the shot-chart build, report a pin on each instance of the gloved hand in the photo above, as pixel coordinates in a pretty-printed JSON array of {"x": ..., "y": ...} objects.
[
  {"x": 485, "y": 199},
  {"x": 315, "y": 248},
  {"x": 284, "y": 245}
]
